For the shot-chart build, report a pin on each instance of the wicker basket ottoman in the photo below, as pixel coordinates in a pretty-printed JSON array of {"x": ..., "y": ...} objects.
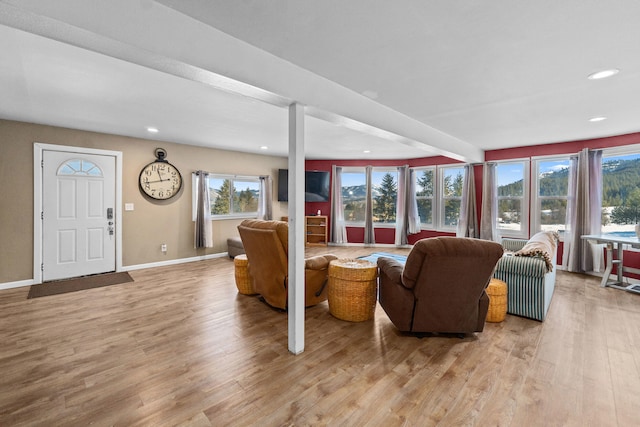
[
  {"x": 243, "y": 278},
  {"x": 497, "y": 291},
  {"x": 352, "y": 289}
]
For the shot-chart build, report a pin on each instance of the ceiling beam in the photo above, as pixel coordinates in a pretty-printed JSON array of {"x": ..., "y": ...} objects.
[{"x": 160, "y": 38}]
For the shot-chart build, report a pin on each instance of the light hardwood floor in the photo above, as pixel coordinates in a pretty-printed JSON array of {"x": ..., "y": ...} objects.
[{"x": 180, "y": 346}]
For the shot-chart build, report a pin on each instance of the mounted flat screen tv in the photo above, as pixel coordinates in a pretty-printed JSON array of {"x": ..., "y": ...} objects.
[{"x": 316, "y": 186}]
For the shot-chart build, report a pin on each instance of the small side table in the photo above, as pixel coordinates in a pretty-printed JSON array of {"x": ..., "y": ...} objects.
[
  {"x": 243, "y": 278},
  {"x": 497, "y": 291},
  {"x": 352, "y": 289}
]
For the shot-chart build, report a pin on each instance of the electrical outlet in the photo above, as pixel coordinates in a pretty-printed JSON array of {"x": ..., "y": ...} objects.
[{"x": 163, "y": 247}]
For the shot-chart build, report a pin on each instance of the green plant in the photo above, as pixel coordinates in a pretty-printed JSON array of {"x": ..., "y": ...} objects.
[{"x": 629, "y": 211}]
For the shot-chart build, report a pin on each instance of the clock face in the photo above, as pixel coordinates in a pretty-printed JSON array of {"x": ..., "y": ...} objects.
[{"x": 160, "y": 180}]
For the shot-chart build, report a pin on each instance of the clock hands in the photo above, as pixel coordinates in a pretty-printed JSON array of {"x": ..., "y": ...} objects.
[
  {"x": 158, "y": 180},
  {"x": 159, "y": 176}
]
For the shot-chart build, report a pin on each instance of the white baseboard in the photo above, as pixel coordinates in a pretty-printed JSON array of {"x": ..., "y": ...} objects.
[
  {"x": 18, "y": 284},
  {"x": 173, "y": 262},
  {"x": 29, "y": 282}
]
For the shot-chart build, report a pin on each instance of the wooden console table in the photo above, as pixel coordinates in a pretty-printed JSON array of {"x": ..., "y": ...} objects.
[{"x": 615, "y": 242}]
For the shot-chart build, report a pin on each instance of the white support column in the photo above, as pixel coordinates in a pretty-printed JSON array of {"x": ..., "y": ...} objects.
[{"x": 296, "y": 292}]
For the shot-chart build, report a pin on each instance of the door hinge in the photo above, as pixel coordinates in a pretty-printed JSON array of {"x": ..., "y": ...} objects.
[
  {"x": 42, "y": 215},
  {"x": 42, "y": 267},
  {"x": 42, "y": 164}
]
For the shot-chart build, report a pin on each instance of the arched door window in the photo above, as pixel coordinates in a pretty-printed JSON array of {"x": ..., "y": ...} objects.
[{"x": 79, "y": 167}]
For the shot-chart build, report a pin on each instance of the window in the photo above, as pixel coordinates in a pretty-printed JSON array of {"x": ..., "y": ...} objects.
[
  {"x": 620, "y": 193},
  {"x": 551, "y": 193},
  {"x": 79, "y": 167},
  {"x": 354, "y": 195},
  {"x": 513, "y": 187},
  {"x": 437, "y": 207},
  {"x": 385, "y": 195},
  {"x": 451, "y": 182},
  {"x": 231, "y": 196},
  {"x": 425, "y": 195}
]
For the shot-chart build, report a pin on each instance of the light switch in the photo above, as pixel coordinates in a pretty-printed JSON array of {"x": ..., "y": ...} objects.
[{"x": 128, "y": 206}]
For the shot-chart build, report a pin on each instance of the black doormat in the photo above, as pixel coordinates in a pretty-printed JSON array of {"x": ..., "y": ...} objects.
[{"x": 78, "y": 284}]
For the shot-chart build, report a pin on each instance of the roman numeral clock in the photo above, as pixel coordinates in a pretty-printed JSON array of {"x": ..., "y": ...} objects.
[{"x": 160, "y": 180}]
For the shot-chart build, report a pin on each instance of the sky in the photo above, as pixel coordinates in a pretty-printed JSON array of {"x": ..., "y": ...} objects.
[
  {"x": 512, "y": 172},
  {"x": 352, "y": 179}
]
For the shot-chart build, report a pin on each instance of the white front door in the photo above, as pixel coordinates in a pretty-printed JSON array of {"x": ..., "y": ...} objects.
[{"x": 78, "y": 208}]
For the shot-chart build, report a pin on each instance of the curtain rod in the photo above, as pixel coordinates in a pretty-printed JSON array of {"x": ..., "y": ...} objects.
[{"x": 225, "y": 175}]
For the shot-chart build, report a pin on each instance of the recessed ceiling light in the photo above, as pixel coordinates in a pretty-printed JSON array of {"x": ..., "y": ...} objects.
[
  {"x": 603, "y": 74},
  {"x": 366, "y": 151},
  {"x": 264, "y": 147},
  {"x": 597, "y": 119},
  {"x": 152, "y": 129}
]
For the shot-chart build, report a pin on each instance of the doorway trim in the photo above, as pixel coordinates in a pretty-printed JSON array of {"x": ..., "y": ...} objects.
[{"x": 38, "y": 149}]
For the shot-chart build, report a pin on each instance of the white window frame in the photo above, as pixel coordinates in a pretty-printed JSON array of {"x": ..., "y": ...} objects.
[
  {"x": 439, "y": 219},
  {"x": 624, "y": 150},
  {"x": 362, "y": 170},
  {"x": 232, "y": 178},
  {"x": 434, "y": 196},
  {"x": 392, "y": 170},
  {"x": 535, "y": 189},
  {"x": 526, "y": 187},
  {"x": 354, "y": 169}
]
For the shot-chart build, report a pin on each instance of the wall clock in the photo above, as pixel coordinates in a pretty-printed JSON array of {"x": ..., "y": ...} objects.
[{"x": 160, "y": 180}]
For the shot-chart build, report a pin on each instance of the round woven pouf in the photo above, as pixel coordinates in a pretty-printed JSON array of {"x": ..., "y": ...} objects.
[
  {"x": 497, "y": 291},
  {"x": 352, "y": 289},
  {"x": 243, "y": 279}
]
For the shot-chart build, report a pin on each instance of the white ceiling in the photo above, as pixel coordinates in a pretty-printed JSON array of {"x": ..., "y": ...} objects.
[{"x": 402, "y": 79}]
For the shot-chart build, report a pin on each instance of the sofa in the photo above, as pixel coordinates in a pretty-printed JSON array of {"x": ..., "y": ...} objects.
[
  {"x": 529, "y": 269},
  {"x": 266, "y": 244},
  {"x": 441, "y": 288},
  {"x": 234, "y": 247}
]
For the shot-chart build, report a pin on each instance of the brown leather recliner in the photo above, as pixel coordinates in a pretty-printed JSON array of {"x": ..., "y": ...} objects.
[
  {"x": 267, "y": 246},
  {"x": 442, "y": 286}
]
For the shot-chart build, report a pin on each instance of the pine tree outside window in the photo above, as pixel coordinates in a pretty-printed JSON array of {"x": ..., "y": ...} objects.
[
  {"x": 220, "y": 193},
  {"x": 245, "y": 196},
  {"x": 620, "y": 192},
  {"x": 550, "y": 194},
  {"x": 513, "y": 188},
  {"x": 451, "y": 182},
  {"x": 385, "y": 196},
  {"x": 354, "y": 195},
  {"x": 425, "y": 194},
  {"x": 233, "y": 196}
]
